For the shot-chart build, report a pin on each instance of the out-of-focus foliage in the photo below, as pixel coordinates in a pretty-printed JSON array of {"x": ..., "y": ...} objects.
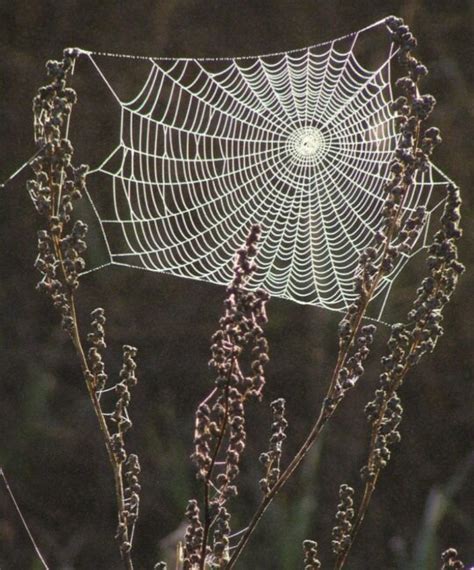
[{"x": 49, "y": 447}]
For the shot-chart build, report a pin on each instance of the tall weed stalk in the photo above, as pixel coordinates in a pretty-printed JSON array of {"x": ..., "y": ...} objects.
[{"x": 239, "y": 349}]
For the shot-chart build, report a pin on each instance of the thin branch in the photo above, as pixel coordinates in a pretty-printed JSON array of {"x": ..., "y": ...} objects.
[
  {"x": 22, "y": 518},
  {"x": 374, "y": 266},
  {"x": 56, "y": 185},
  {"x": 208, "y": 478}
]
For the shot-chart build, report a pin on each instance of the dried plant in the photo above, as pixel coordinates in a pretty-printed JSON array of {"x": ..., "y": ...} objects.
[
  {"x": 239, "y": 349},
  {"x": 61, "y": 244},
  {"x": 395, "y": 238},
  {"x": 310, "y": 549},
  {"x": 450, "y": 560},
  {"x": 220, "y": 433}
]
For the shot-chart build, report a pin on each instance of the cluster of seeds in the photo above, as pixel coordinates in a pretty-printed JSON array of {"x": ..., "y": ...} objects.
[
  {"x": 385, "y": 412},
  {"x": 414, "y": 148},
  {"x": 57, "y": 184},
  {"x": 128, "y": 512},
  {"x": 398, "y": 233},
  {"x": 353, "y": 368},
  {"x": 72, "y": 247},
  {"x": 61, "y": 245},
  {"x": 220, "y": 436},
  {"x": 411, "y": 341},
  {"x": 194, "y": 536},
  {"x": 341, "y": 533},
  {"x": 96, "y": 375},
  {"x": 444, "y": 271},
  {"x": 122, "y": 389},
  {"x": 450, "y": 560},
  {"x": 271, "y": 458},
  {"x": 119, "y": 422},
  {"x": 97, "y": 339},
  {"x": 128, "y": 516},
  {"x": 220, "y": 546},
  {"x": 52, "y": 282},
  {"x": 310, "y": 550}
]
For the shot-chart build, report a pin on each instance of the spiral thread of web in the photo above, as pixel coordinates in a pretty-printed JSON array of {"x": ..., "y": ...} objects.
[{"x": 299, "y": 143}]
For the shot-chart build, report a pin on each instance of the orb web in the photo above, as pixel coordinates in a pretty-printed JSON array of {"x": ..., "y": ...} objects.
[{"x": 299, "y": 142}]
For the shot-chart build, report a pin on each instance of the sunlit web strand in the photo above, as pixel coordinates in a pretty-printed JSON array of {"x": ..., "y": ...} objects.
[{"x": 298, "y": 142}]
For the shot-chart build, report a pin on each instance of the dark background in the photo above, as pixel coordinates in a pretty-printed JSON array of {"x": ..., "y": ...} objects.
[{"x": 49, "y": 444}]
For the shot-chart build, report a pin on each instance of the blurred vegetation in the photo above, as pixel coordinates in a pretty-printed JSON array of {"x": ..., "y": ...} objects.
[{"x": 49, "y": 448}]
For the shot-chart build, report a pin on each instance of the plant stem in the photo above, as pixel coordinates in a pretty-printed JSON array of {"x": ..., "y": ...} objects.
[
  {"x": 208, "y": 479},
  {"x": 370, "y": 485},
  {"x": 79, "y": 348},
  {"x": 324, "y": 414}
]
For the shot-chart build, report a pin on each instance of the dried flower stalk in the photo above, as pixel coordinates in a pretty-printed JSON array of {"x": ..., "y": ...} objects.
[
  {"x": 450, "y": 560},
  {"x": 55, "y": 188},
  {"x": 411, "y": 341},
  {"x": 220, "y": 431},
  {"x": 310, "y": 550},
  {"x": 396, "y": 237},
  {"x": 220, "y": 434}
]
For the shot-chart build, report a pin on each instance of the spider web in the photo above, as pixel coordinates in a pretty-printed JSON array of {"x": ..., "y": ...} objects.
[{"x": 299, "y": 142}]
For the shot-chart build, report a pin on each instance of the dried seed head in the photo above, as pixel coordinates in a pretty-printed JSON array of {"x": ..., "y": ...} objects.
[
  {"x": 310, "y": 550},
  {"x": 450, "y": 560},
  {"x": 271, "y": 459},
  {"x": 341, "y": 533},
  {"x": 194, "y": 535}
]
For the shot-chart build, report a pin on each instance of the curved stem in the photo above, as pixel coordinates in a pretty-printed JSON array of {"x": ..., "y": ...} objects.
[
  {"x": 324, "y": 413},
  {"x": 78, "y": 346},
  {"x": 298, "y": 458},
  {"x": 370, "y": 485},
  {"x": 208, "y": 479}
]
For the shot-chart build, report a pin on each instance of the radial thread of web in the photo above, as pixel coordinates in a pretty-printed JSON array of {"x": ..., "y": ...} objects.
[{"x": 298, "y": 142}]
